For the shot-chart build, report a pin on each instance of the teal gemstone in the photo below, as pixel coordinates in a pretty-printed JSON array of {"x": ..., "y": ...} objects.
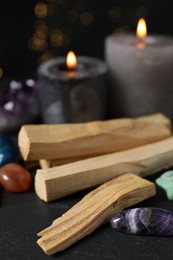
[{"x": 165, "y": 181}]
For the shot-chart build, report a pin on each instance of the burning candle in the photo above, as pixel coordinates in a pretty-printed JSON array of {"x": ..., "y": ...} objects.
[
  {"x": 73, "y": 89},
  {"x": 71, "y": 61},
  {"x": 140, "y": 73}
]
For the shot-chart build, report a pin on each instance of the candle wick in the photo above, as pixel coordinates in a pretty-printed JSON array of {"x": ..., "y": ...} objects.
[{"x": 141, "y": 43}]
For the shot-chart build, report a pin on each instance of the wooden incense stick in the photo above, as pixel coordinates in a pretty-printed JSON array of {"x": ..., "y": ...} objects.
[
  {"x": 57, "y": 182},
  {"x": 69, "y": 141},
  {"x": 44, "y": 164},
  {"x": 93, "y": 210}
]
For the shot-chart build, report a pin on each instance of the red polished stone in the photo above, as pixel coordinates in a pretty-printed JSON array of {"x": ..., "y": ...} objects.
[{"x": 15, "y": 178}]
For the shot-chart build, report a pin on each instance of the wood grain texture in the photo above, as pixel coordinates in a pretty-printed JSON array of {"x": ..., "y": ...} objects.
[
  {"x": 93, "y": 210},
  {"x": 57, "y": 182},
  {"x": 70, "y": 141},
  {"x": 44, "y": 164}
]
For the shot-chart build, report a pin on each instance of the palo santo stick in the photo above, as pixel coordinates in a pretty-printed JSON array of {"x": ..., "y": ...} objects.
[
  {"x": 90, "y": 139},
  {"x": 57, "y": 182},
  {"x": 44, "y": 164},
  {"x": 93, "y": 210}
]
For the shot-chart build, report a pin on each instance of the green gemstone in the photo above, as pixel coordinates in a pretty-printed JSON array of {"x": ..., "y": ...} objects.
[{"x": 165, "y": 181}]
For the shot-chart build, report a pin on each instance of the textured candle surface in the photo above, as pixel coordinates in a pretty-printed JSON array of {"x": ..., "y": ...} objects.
[
  {"x": 144, "y": 221},
  {"x": 140, "y": 78},
  {"x": 73, "y": 96}
]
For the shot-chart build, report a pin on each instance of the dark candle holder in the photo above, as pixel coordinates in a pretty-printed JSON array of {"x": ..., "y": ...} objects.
[{"x": 69, "y": 96}]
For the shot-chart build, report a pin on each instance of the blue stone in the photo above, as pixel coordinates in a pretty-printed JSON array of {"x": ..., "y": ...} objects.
[
  {"x": 4, "y": 139},
  {"x": 144, "y": 221},
  {"x": 8, "y": 151},
  {"x": 165, "y": 181}
]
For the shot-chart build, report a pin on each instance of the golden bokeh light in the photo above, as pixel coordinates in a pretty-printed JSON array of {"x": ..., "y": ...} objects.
[
  {"x": 41, "y": 10},
  {"x": 56, "y": 38},
  {"x": 39, "y": 35},
  {"x": 86, "y": 18},
  {"x": 114, "y": 13},
  {"x": 1, "y": 72},
  {"x": 42, "y": 27},
  {"x": 37, "y": 44},
  {"x": 45, "y": 56}
]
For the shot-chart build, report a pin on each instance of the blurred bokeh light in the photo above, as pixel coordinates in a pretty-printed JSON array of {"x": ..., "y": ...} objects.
[{"x": 34, "y": 31}]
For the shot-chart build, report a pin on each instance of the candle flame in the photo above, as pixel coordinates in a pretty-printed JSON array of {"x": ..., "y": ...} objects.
[
  {"x": 141, "y": 30},
  {"x": 71, "y": 60}
]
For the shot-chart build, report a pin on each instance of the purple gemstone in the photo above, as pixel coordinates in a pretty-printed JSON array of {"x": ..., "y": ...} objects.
[
  {"x": 144, "y": 221},
  {"x": 18, "y": 104}
]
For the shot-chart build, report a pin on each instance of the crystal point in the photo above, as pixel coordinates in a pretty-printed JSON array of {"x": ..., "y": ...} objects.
[{"x": 144, "y": 221}]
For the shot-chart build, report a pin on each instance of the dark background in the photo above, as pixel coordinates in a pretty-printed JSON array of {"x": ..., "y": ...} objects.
[
  {"x": 25, "y": 41},
  {"x": 78, "y": 25}
]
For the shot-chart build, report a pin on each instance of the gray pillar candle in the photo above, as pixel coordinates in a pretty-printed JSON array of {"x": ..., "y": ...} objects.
[
  {"x": 140, "y": 74},
  {"x": 73, "y": 96}
]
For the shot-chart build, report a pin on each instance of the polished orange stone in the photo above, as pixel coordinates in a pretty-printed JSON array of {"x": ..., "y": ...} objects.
[{"x": 15, "y": 178}]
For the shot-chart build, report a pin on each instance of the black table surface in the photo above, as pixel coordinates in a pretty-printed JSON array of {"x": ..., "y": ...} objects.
[{"x": 22, "y": 216}]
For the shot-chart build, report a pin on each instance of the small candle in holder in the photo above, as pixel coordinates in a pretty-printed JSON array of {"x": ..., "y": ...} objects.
[
  {"x": 140, "y": 73},
  {"x": 73, "y": 89}
]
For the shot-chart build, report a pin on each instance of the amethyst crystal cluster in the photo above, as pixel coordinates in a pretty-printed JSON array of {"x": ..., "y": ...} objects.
[
  {"x": 144, "y": 221},
  {"x": 18, "y": 104}
]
